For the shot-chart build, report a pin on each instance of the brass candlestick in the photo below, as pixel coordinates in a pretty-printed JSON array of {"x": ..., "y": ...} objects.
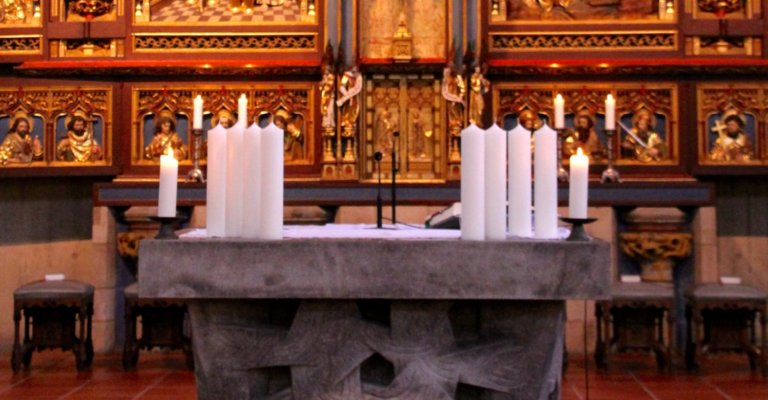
[
  {"x": 196, "y": 174},
  {"x": 562, "y": 174},
  {"x": 610, "y": 174}
]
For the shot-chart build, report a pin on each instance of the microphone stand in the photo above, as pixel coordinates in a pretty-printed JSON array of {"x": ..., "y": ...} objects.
[
  {"x": 379, "y": 205},
  {"x": 395, "y": 135}
]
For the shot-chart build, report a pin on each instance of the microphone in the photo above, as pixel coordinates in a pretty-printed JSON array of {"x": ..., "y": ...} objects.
[
  {"x": 395, "y": 135},
  {"x": 377, "y": 157}
]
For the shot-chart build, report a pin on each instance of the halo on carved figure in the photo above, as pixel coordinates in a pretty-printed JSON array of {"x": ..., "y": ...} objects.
[
  {"x": 734, "y": 114},
  {"x": 163, "y": 115},
  {"x": 21, "y": 114},
  {"x": 644, "y": 112},
  {"x": 223, "y": 114},
  {"x": 527, "y": 115},
  {"x": 585, "y": 113}
]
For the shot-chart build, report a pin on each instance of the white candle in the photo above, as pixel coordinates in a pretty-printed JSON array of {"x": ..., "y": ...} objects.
[
  {"x": 234, "y": 215},
  {"x": 472, "y": 183},
  {"x": 495, "y": 183},
  {"x": 197, "y": 115},
  {"x": 610, "y": 113},
  {"x": 272, "y": 183},
  {"x": 242, "y": 110},
  {"x": 169, "y": 174},
  {"x": 578, "y": 185},
  {"x": 252, "y": 184},
  {"x": 216, "y": 182},
  {"x": 545, "y": 183},
  {"x": 559, "y": 112},
  {"x": 519, "y": 165}
]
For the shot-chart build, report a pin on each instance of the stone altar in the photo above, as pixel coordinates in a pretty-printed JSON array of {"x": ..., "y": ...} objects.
[{"x": 376, "y": 318}]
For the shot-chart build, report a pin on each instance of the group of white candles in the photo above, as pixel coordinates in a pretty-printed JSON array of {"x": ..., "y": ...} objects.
[
  {"x": 244, "y": 196},
  {"x": 496, "y": 183}
]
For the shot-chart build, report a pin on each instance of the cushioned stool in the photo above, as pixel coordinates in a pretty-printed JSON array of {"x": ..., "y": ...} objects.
[
  {"x": 162, "y": 325},
  {"x": 634, "y": 320},
  {"x": 55, "y": 311},
  {"x": 722, "y": 318}
]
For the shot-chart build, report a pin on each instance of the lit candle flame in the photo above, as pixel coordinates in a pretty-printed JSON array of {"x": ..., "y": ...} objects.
[
  {"x": 579, "y": 152},
  {"x": 169, "y": 152}
]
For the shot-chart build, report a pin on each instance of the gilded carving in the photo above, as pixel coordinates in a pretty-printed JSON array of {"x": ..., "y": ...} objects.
[
  {"x": 165, "y": 139},
  {"x": 425, "y": 20},
  {"x": 350, "y": 86},
  {"x": 19, "y": 145},
  {"x": 645, "y": 116},
  {"x": 21, "y": 45},
  {"x": 582, "y": 10},
  {"x": 478, "y": 87},
  {"x": 656, "y": 252},
  {"x": 409, "y": 106},
  {"x": 729, "y": 128},
  {"x": 243, "y": 43},
  {"x": 581, "y": 41},
  {"x": 79, "y": 145},
  {"x": 289, "y": 109},
  {"x": 454, "y": 90}
]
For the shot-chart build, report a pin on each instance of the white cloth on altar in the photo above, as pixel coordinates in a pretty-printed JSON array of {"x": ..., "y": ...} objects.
[{"x": 361, "y": 231}]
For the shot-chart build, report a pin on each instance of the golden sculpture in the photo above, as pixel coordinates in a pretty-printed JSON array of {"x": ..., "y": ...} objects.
[
  {"x": 402, "y": 43},
  {"x": 732, "y": 143},
  {"x": 14, "y": 11},
  {"x": 479, "y": 86},
  {"x": 453, "y": 90},
  {"x": 225, "y": 118},
  {"x": 165, "y": 138},
  {"x": 293, "y": 140},
  {"x": 584, "y": 136},
  {"x": 19, "y": 146},
  {"x": 385, "y": 128},
  {"x": 641, "y": 142},
  {"x": 79, "y": 145},
  {"x": 656, "y": 252},
  {"x": 327, "y": 98},
  {"x": 419, "y": 135},
  {"x": 350, "y": 86}
]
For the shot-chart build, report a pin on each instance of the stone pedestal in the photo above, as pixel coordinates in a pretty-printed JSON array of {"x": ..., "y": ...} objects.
[{"x": 376, "y": 318}]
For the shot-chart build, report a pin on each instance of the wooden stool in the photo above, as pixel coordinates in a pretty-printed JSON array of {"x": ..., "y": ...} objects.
[
  {"x": 722, "y": 318},
  {"x": 634, "y": 320},
  {"x": 162, "y": 325},
  {"x": 55, "y": 308}
]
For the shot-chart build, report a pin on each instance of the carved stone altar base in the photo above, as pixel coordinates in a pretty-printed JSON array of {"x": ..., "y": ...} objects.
[{"x": 376, "y": 318}]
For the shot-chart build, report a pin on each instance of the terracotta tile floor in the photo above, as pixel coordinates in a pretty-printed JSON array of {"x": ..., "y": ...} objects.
[{"x": 163, "y": 376}]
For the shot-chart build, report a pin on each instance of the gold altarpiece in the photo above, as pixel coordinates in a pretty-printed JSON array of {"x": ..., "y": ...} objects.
[{"x": 412, "y": 106}]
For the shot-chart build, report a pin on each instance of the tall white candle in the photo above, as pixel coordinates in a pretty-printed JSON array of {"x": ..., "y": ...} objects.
[
  {"x": 272, "y": 190},
  {"x": 216, "y": 182},
  {"x": 610, "y": 113},
  {"x": 252, "y": 184},
  {"x": 578, "y": 185},
  {"x": 495, "y": 183},
  {"x": 559, "y": 112},
  {"x": 519, "y": 165},
  {"x": 169, "y": 174},
  {"x": 545, "y": 183},
  {"x": 242, "y": 110},
  {"x": 234, "y": 214},
  {"x": 472, "y": 183},
  {"x": 197, "y": 115}
]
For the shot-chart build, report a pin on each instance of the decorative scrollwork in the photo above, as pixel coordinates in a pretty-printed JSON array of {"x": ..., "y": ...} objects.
[
  {"x": 21, "y": 45},
  {"x": 548, "y": 41},
  {"x": 229, "y": 42}
]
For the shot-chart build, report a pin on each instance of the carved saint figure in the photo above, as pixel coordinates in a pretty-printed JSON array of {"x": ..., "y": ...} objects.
[
  {"x": 419, "y": 135},
  {"x": 165, "y": 138},
  {"x": 479, "y": 86},
  {"x": 79, "y": 145},
  {"x": 349, "y": 104},
  {"x": 584, "y": 136},
  {"x": 292, "y": 136},
  {"x": 732, "y": 143},
  {"x": 13, "y": 11},
  {"x": 385, "y": 128},
  {"x": 225, "y": 118},
  {"x": 641, "y": 142},
  {"x": 19, "y": 146},
  {"x": 327, "y": 98},
  {"x": 453, "y": 90}
]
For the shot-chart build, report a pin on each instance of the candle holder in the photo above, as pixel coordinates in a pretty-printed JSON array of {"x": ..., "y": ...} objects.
[
  {"x": 562, "y": 174},
  {"x": 167, "y": 227},
  {"x": 610, "y": 174},
  {"x": 196, "y": 174},
  {"x": 578, "y": 234}
]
